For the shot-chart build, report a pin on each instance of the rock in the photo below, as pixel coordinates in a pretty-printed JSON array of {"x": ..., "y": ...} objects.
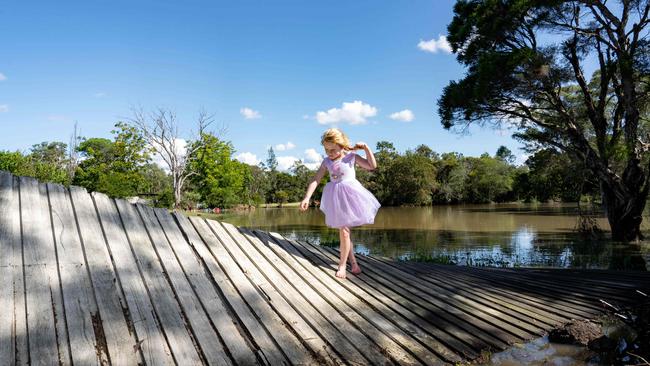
[
  {"x": 576, "y": 332},
  {"x": 602, "y": 344}
]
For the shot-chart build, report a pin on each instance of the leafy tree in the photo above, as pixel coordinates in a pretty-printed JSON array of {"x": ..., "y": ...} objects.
[
  {"x": 271, "y": 170},
  {"x": 218, "y": 178},
  {"x": 505, "y": 154},
  {"x": 255, "y": 186},
  {"x": 271, "y": 161},
  {"x": 381, "y": 182},
  {"x": 489, "y": 179},
  {"x": 517, "y": 74},
  {"x": 552, "y": 175},
  {"x": 46, "y": 162},
  {"x": 424, "y": 150},
  {"x": 113, "y": 167},
  {"x": 411, "y": 180},
  {"x": 452, "y": 172},
  {"x": 14, "y": 162},
  {"x": 158, "y": 186},
  {"x": 160, "y": 130}
]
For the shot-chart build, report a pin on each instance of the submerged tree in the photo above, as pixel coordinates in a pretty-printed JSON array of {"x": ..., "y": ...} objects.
[{"x": 526, "y": 64}]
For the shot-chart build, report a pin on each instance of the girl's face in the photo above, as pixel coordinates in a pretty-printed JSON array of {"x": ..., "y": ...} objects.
[{"x": 332, "y": 150}]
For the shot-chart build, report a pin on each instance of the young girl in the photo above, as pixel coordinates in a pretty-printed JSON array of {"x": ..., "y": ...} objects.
[{"x": 345, "y": 202}]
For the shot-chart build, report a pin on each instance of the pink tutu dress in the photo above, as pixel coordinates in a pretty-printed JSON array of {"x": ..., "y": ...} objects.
[{"x": 345, "y": 201}]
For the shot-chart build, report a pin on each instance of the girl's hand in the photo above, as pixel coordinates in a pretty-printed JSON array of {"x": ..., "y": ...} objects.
[
  {"x": 304, "y": 205},
  {"x": 360, "y": 146}
]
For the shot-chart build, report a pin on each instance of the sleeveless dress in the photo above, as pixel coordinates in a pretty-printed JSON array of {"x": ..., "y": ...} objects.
[{"x": 345, "y": 201}]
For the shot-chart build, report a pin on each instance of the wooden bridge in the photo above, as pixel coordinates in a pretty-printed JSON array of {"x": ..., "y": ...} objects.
[{"x": 85, "y": 279}]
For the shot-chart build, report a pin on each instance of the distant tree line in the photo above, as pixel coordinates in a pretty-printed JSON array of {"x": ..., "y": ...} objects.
[{"x": 123, "y": 167}]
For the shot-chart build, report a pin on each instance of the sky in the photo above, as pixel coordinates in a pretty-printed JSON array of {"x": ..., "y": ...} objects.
[{"x": 273, "y": 73}]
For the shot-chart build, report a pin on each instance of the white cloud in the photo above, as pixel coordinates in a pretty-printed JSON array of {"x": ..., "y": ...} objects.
[
  {"x": 282, "y": 147},
  {"x": 354, "y": 113},
  {"x": 312, "y": 156},
  {"x": 404, "y": 116},
  {"x": 100, "y": 95},
  {"x": 249, "y": 113},
  {"x": 435, "y": 46},
  {"x": 180, "y": 146},
  {"x": 312, "y": 159},
  {"x": 285, "y": 162},
  {"x": 248, "y": 158},
  {"x": 4, "y": 108},
  {"x": 2, "y": 77}
]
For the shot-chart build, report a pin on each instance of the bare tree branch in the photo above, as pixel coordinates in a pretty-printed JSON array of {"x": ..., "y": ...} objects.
[{"x": 161, "y": 131}]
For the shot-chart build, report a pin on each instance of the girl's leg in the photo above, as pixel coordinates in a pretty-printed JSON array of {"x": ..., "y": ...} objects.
[
  {"x": 344, "y": 250},
  {"x": 354, "y": 266}
]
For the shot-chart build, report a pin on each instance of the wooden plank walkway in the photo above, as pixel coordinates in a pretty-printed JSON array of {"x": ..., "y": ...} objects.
[{"x": 86, "y": 279}]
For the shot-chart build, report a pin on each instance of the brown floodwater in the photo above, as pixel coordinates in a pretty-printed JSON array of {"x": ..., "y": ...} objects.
[{"x": 505, "y": 235}]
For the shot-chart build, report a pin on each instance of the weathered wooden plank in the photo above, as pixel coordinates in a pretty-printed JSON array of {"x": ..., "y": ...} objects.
[
  {"x": 502, "y": 311},
  {"x": 268, "y": 350},
  {"x": 612, "y": 289},
  {"x": 257, "y": 299},
  {"x": 560, "y": 285},
  {"x": 331, "y": 299},
  {"x": 338, "y": 337},
  {"x": 282, "y": 306},
  {"x": 151, "y": 340},
  {"x": 614, "y": 276},
  {"x": 199, "y": 323},
  {"x": 75, "y": 282},
  {"x": 525, "y": 328},
  {"x": 532, "y": 288},
  {"x": 364, "y": 298},
  {"x": 47, "y": 336},
  {"x": 550, "y": 305},
  {"x": 162, "y": 295},
  {"x": 457, "y": 335},
  {"x": 9, "y": 239},
  {"x": 454, "y": 283},
  {"x": 488, "y": 333},
  {"x": 113, "y": 329},
  {"x": 20, "y": 302},
  {"x": 206, "y": 294}
]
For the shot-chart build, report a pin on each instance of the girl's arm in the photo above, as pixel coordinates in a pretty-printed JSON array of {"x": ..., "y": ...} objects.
[
  {"x": 369, "y": 163},
  {"x": 312, "y": 186}
]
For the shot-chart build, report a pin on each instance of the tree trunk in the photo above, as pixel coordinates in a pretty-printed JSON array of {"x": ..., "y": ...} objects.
[{"x": 624, "y": 212}]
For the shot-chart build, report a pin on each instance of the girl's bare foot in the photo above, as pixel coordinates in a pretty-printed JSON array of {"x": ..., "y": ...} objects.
[
  {"x": 341, "y": 272},
  {"x": 355, "y": 269}
]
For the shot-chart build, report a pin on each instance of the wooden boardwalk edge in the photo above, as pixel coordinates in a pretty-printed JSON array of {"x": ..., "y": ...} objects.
[{"x": 87, "y": 279}]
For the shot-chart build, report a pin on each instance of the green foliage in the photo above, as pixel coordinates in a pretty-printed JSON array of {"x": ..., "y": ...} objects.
[
  {"x": 120, "y": 168},
  {"x": 13, "y": 162},
  {"x": 157, "y": 186},
  {"x": 46, "y": 162},
  {"x": 114, "y": 167},
  {"x": 411, "y": 180},
  {"x": 525, "y": 62},
  {"x": 551, "y": 175},
  {"x": 452, "y": 172},
  {"x": 217, "y": 178},
  {"x": 489, "y": 180},
  {"x": 255, "y": 186}
]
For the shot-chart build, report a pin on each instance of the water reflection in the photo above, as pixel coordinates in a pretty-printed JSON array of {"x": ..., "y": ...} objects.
[{"x": 492, "y": 235}]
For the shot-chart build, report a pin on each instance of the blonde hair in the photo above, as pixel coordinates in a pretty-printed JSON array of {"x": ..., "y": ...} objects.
[{"x": 336, "y": 136}]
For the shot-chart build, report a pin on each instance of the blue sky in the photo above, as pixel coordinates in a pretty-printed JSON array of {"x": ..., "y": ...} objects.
[{"x": 282, "y": 62}]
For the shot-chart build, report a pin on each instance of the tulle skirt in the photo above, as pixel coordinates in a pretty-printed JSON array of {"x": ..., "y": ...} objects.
[{"x": 347, "y": 203}]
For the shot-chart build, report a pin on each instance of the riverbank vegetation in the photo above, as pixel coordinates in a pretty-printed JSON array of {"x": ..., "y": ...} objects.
[{"x": 123, "y": 167}]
